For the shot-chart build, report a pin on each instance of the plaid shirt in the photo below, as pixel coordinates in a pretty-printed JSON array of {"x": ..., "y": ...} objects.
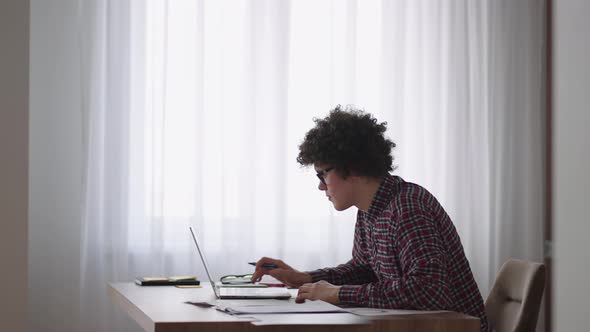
[{"x": 406, "y": 255}]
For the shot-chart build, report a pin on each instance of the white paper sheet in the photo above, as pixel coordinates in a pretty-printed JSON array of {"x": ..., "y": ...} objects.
[
  {"x": 368, "y": 312},
  {"x": 276, "y": 307},
  {"x": 341, "y": 318}
]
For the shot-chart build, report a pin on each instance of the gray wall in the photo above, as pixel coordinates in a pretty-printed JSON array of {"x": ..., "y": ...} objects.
[
  {"x": 571, "y": 164},
  {"x": 55, "y": 167},
  {"x": 14, "y": 117}
]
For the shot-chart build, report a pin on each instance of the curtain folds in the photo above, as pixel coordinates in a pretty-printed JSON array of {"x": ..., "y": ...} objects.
[{"x": 193, "y": 112}]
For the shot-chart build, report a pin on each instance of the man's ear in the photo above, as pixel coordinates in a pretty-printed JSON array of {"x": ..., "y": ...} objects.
[
  {"x": 360, "y": 178},
  {"x": 353, "y": 173},
  {"x": 354, "y": 177}
]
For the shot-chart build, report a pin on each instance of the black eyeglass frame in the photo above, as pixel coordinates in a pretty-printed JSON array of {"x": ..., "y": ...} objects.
[{"x": 322, "y": 174}]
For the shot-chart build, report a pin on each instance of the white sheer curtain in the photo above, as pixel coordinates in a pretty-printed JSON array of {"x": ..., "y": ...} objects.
[{"x": 193, "y": 111}]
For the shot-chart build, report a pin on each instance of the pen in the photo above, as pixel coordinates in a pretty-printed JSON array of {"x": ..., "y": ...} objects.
[{"x": 265, "y": 265}]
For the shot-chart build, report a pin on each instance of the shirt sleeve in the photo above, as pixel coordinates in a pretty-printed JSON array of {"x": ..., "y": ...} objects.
[
  {"x": 356, "y": 271},
  {"x": 422, "y": 284},
  {"x": 349, "y": 273}
]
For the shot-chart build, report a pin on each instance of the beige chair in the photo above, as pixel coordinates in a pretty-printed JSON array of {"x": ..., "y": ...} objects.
[{"x": 514, "y": 301}]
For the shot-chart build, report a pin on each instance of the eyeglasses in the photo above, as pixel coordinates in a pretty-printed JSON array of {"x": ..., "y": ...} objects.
[
  {"x": 322, "y": 174},
  {"x": 236, "y": 279}
]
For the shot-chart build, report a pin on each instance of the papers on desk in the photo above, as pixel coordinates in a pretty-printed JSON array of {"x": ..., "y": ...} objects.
[
  {"x": 281, "y": 312},
  {"x": 371, "y": 312},
  {"x": 265, "y": 307},
  {"x": 340, "y": 318},
  {"x": 275, "y": 307}
]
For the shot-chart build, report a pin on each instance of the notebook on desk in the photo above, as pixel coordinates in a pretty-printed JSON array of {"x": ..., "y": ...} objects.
[{"x": 238, "y": 293}]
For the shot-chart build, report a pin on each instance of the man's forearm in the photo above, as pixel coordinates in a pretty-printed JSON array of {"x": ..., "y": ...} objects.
[{"x": 344, "y": 274}]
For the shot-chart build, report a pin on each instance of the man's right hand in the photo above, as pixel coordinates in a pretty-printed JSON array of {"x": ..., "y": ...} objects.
[{"x": 283, "y": 272}]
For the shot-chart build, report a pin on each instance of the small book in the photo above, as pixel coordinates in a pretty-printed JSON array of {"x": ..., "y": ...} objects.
[{"x": 167, "y": 281}]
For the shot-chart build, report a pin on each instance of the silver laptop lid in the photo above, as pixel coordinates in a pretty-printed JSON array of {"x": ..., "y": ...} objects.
[{"x": 202, "y": 255}]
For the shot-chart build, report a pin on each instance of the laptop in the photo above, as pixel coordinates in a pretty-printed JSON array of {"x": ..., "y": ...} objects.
[{"x": 239, "y": 293}]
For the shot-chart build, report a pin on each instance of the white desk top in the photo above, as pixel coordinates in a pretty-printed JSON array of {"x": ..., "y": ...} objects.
[{"x": 162, "y": 309}]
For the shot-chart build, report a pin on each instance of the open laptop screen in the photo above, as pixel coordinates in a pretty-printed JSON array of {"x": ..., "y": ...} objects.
[
  {"x": 204, "y": 263},
  {"x": 238, "y": 293}
]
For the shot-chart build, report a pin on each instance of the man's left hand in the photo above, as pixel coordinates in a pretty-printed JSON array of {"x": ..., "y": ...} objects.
[{"x": 321, "y": 290}]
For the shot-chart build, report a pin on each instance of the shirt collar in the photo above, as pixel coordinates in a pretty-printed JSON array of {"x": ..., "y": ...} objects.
[{"x": 388, "y": 187}]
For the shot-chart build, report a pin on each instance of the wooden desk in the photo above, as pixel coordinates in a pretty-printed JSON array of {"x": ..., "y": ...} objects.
[{"x": 162, "y": 309}]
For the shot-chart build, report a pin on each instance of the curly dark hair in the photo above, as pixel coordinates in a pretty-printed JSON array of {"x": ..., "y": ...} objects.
[{"x": 351, "y": 141}]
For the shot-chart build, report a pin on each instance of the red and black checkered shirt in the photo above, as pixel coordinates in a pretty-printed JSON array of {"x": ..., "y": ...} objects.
[{"x": 406, "y": 255}]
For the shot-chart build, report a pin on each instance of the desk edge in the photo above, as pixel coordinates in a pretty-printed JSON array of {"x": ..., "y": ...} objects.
[{"x": 132, "y": 310}]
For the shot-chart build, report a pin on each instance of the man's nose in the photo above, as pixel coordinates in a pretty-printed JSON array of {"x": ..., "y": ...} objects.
[{"x": 322, "y": 186}]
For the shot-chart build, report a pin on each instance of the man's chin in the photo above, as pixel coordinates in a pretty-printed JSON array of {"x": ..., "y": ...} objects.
[{"x": 339, "y": 207}]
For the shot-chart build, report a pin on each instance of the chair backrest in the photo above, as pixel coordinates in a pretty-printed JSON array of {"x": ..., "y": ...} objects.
[{"x": 514, "y": 301}]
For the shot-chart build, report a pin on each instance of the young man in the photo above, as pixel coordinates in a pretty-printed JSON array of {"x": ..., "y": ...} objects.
[{"x": 406, "y": 253}]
